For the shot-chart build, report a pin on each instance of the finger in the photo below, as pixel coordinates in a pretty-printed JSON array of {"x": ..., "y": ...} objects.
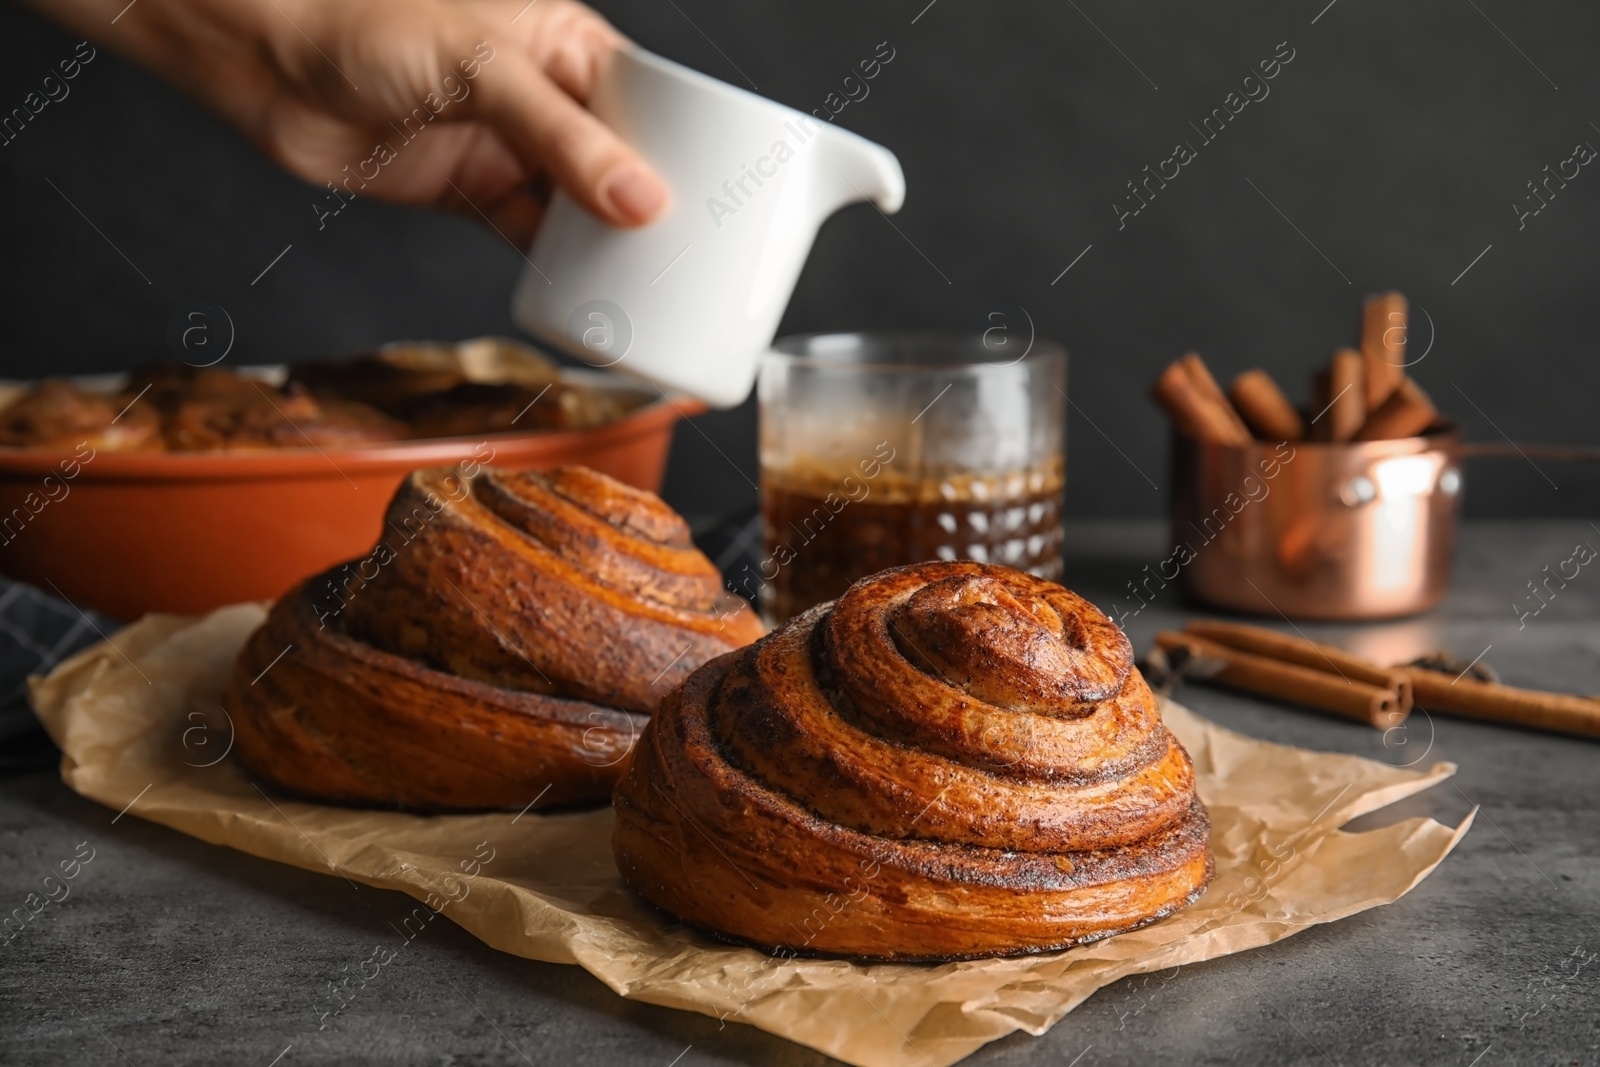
[
  {"x": 570, "y": 42},
  {"x": 549, "y": 130}
]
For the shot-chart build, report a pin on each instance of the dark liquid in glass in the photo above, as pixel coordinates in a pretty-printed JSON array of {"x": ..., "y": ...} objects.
[{"x": 819, "y": 537}]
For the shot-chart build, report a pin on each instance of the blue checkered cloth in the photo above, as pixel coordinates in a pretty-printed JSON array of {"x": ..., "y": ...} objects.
[{"x": 37, "y": 631}]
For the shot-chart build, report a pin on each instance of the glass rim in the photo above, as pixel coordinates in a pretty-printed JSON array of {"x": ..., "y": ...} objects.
[{"x": 841, "y": 350}]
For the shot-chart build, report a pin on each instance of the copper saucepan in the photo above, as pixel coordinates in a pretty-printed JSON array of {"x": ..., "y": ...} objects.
[{"x": 1318, "y": 530}]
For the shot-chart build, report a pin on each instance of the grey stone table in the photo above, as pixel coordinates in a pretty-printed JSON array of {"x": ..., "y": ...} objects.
[{"x": 172, "y": 951}]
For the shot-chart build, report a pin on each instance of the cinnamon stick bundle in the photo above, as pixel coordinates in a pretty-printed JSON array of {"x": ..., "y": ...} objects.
[
  {"x": 1295, "y": 669},
  {"x": 1307, "y": 653},
  {"x": 1508, "y": 705},
  {"x": 1362, "y": 395},
  {"x": 1266, "y": 676}
]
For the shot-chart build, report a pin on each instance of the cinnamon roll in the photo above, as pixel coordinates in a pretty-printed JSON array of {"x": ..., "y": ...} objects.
[
  {"x": 501, "y": 646},
  {"x": 953, "y": 760}
]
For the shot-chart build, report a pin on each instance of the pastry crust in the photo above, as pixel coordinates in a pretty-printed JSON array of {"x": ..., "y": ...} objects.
[
  {"x": 953, "y": 760},
  {"x": 502, "y": 645}
]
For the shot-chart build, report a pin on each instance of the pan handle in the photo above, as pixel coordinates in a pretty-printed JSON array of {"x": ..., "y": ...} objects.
[{"x": 1559, "y": 453}]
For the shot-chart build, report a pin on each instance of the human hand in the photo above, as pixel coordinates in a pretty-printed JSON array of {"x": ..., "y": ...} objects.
[{"x": 471, "y": 106}]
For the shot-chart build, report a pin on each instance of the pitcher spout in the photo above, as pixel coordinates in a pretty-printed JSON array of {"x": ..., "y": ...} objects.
[{"x": 851, "y": 168}]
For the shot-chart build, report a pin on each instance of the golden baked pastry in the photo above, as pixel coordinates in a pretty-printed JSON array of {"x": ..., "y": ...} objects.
[
  {"x": 56, "y": 414},
  {"x": 501, "y": 646},
  {"x": 220, "y": 411},
  {"x": 953, "y": 760}
]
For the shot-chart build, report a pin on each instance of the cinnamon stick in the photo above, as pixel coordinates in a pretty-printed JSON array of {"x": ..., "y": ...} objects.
[
  {"x": 1200, "y": 375},
  {"x": 1264, "y": 408},
  {"x": 1347, "y": 408},
  {"x": 1505, "y": 704},
  {"x": 1307, "y": 653},
  {"x": 1194, "y": 413},
  {"x": 1265, "y": 676},
  {"x": 1407, "y": 413},
  {"x": 1383, "y": 346}
]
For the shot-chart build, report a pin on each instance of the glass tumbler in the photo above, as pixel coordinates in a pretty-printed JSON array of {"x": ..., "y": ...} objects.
[{"x": 880, "y": 449}]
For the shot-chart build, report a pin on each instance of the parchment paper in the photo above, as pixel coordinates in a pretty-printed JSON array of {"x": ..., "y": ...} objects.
[{"x": 139, "y": 724}]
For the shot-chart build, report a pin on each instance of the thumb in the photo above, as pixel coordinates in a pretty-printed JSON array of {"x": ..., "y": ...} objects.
[{"x": 550, "y": 131}]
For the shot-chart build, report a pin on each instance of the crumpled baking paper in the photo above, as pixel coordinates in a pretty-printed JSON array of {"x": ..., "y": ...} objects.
[{"x": 140, "y": 727}]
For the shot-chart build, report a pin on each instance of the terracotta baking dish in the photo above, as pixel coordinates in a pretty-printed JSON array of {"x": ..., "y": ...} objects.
[{"x": 186, "y": 532}]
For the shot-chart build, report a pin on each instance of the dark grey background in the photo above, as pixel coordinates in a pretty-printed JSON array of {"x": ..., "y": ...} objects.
[{"x": 1391, "y": 150}]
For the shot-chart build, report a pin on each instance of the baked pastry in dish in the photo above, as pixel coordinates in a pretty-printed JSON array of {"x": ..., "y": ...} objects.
[
  {"x": 953, "y": 760},
  {"x": 216, "y": 410},
  {"x": 500, "y": 647},
  {"x": 172, "y": 407},
  {"x": 56, "y": 414},
  {"x": 401, "y": 392}
]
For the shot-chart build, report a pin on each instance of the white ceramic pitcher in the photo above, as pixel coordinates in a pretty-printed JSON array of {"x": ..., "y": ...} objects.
[{"x": 691, "y": 300}]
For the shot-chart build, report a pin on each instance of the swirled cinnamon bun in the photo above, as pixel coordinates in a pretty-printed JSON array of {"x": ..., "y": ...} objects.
[
  {"x": 503, "y": 644},
  {"x": 952, "y": 760}
]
